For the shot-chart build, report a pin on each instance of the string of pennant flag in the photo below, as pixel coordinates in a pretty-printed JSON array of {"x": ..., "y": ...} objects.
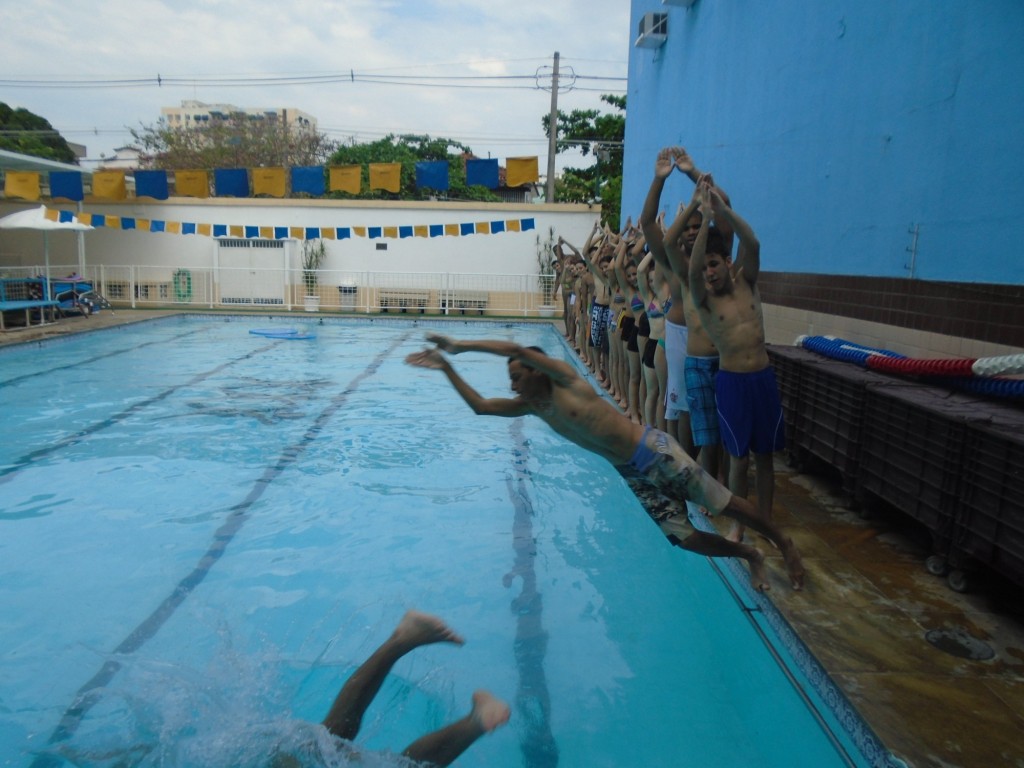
[
  {"x": 246, "y": 231},
  {"x": 314, "y": 180}
]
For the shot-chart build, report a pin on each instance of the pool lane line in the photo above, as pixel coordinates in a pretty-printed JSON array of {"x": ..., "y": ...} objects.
[
  {"x": 89, "y": 693},
  {"x": 6, "y": 473},
  {"x": 94, "y": 358},
  {"x": 533, "y": 702}
]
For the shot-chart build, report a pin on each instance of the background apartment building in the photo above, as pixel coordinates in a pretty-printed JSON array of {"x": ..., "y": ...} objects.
[{"x": 197, "y": 114}]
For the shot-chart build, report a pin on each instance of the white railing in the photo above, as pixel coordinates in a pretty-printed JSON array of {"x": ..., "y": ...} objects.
[{"x": 336, "y": 290}]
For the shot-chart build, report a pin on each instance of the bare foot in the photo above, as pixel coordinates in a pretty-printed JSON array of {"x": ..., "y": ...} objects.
[
  {"x": 735, "y": 533},
  {"x": 794, "y": 563},
  {"x": 489, "y": 711},
  {"x": 758, "y": 574},
  {"x": 416, "y": 629}
]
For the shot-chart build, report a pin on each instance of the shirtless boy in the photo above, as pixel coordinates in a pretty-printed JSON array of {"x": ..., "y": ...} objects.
[
  {"x": 702, "y": 360},
  {"x": 600, "y": 314},
  {"x": 567, "y": 280},
  {"x": 551, "y": 389},
  {"x": 726, "y": 296},
  {"x": 671, "y": 251}
]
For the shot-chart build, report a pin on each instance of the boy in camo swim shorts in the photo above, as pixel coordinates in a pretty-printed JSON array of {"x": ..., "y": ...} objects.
[
  {"x": 570, "y": 405},
  {"x": 660, "y": 471}
]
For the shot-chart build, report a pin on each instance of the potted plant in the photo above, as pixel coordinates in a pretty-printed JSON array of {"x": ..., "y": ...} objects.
[
  {"x": 546, "y": 274},
  {"x": 313, "y": 254}
]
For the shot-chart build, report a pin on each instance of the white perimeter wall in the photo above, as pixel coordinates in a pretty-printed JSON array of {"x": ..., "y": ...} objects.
[{"x": 504, "y": 253}]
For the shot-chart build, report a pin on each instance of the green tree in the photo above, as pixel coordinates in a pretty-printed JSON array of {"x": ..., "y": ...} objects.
[
  {"x": 28, "y": 134},
  {"x": 237, "y": 140},
  {"x": 409, "y": 149},
  {"x": 600, "y": 135}
]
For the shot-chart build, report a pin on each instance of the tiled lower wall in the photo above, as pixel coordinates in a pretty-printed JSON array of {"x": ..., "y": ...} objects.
[{"x": 921, "y": 319}]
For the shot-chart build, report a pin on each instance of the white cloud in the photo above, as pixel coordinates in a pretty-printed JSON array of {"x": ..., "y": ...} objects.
[{"x": 139, "y": 39}]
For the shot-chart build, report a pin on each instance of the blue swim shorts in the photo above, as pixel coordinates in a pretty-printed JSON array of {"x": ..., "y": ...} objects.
[
  {"x": 700, "y": 396},
  {"x": 750, "y": 412}
]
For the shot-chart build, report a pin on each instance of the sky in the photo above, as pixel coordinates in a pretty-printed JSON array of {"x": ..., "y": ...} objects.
[{"x": 476, "y": 71}]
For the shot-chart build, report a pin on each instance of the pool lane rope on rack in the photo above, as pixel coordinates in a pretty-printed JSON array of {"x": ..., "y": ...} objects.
[{"x": 985, "y": 375}]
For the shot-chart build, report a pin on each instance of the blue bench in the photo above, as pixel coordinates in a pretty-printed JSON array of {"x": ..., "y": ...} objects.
[
  {"x": 71, "y": 294},
  {"x": 24, "y": 294}
]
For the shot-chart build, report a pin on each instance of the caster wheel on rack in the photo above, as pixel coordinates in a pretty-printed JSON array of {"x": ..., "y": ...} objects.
[
  {"x": 958, "y": 581},
  {"x": 936, "y": 565}
]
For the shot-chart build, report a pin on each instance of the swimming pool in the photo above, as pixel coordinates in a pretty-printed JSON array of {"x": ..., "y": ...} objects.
[{"x": 203, "y": 531}]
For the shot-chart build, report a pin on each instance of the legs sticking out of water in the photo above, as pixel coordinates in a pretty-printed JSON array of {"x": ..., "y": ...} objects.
[{"x": 440, "y": 747}]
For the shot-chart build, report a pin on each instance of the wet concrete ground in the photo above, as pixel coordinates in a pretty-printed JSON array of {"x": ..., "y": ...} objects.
[
  {"x": 76, "y": 323},
  {"x": 867, "y": 612}
]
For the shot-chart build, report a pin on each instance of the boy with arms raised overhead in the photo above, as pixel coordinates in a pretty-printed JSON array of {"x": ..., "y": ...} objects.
[{"x": 726, "y": 296}]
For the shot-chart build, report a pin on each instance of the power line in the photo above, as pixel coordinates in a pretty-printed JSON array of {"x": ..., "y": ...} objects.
[
  {"x": 211, "y": 81},
  {"x": 568, "y": 81},
  {"x": 375, "y": 131},
  {"x": 478, "y": 62}
]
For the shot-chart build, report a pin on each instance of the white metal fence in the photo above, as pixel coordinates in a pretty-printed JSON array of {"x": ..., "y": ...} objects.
[{"x": 336, "y": 290}]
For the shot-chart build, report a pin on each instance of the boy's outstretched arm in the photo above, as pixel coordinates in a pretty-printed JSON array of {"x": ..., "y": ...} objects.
[
  {"x": 748, "y": 258},
  {"x": 482, "y": 406},
  {"x": 559, "y": 370},
  {"x": 649, "y": 225},
  {"x": 678, "y": 260},
  {"x": 698, "y": 257}
]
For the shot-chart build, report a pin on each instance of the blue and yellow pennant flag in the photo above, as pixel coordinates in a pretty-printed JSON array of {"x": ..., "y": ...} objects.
[
  {"x": 281, "y": 232},
  {"x": 23, "y": 184}
]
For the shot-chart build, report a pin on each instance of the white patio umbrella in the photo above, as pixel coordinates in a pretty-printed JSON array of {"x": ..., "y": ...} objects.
[{"x": 35, "y": 218}]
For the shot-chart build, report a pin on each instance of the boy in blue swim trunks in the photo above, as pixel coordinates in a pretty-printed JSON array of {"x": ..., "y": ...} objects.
[
  {"x": 697, "y": 359},
  {"x": 726, "y": 296},
  {"x": 551, "y": 389}
]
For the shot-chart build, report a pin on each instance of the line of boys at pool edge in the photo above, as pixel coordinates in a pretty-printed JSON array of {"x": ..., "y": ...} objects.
[
  {"x": 631, "y": 315},
  {"x": 672, "y": 326}
]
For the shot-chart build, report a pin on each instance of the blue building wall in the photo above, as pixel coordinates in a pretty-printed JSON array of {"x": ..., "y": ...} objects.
[{"x": 838, "y": 127}]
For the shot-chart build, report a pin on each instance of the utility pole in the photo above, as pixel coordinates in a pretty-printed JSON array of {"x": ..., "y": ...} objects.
[
  {"x": 285, "y": 153},
  {"x": 549, "y": 190}
]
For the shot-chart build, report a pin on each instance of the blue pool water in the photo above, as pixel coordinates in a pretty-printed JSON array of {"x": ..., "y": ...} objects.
[{"x": 203, "y": 531}]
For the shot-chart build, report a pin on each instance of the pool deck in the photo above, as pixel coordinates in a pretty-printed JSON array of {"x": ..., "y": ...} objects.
[{"x": 865, "y": 613}]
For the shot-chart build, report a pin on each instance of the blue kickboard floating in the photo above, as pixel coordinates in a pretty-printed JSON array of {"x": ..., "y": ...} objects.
[{"x": 281, "y": 333}]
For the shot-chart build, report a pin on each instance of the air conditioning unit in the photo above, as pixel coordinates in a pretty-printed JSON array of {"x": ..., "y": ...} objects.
[
  {"x": 653, "y": 30},
  {"x": 680, "y": 3}
]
